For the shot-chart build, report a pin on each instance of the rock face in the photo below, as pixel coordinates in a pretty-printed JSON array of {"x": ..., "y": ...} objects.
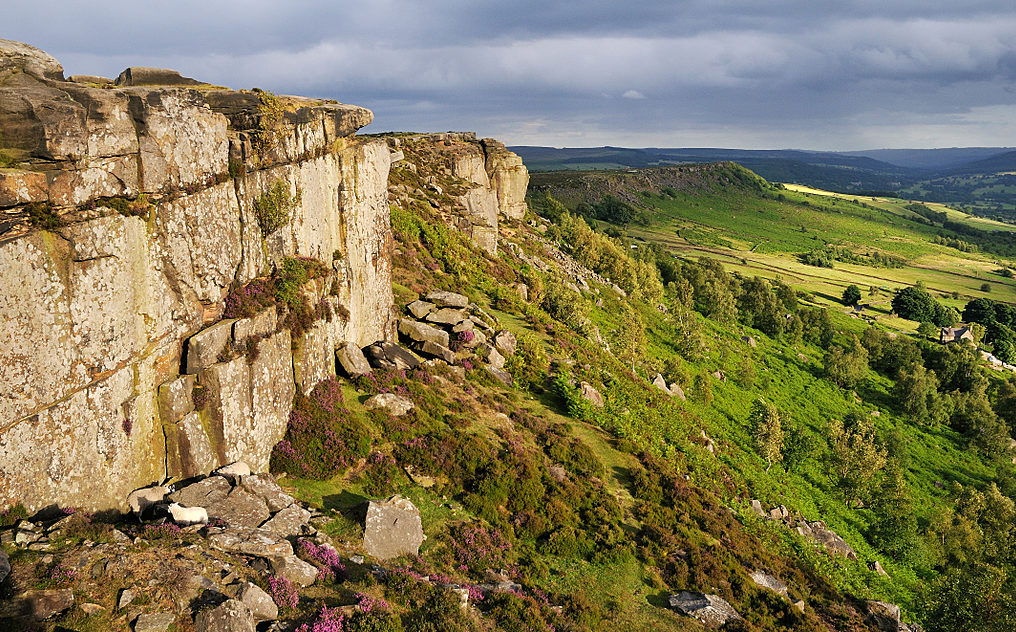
[
  {"x": 392, "y": 528},
  {"x": 110, "y": 304},
  {"x": 711, "y": 610}
]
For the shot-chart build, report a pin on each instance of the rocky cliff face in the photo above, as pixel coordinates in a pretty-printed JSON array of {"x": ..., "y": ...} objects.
[{"x": 130, "y": 217}]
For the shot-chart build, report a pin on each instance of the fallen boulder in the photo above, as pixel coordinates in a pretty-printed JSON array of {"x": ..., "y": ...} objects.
[
  {"x": 661, "y": 384},
  {"x": 392, "y": 528},
  {"x": 765, "y": 580},
  {"x": 395, "y": 405},
  {"x": 230, "y": 616},
  {"x": 711, "y": 610},
  {"x": 590, "y": 394},
  {"x": 352, "y": 360},
  {"x": 294, "y": 569},
  {"x": 442, "y": 298},
  {"x": 421, "y": 332}
]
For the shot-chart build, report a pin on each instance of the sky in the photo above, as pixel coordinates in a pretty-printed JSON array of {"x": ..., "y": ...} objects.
[{"x": 808, "y": 74}]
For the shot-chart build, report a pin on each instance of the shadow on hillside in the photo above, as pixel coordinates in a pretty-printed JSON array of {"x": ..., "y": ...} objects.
[
  {"x": 660, "y": 600},
  {"x": 351, "y": 506}
]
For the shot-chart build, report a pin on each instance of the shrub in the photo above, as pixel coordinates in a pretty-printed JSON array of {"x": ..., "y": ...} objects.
[
  {"x": 41, "y": 215},
  {"x": 272, "y": 207},
  {"x": 530, "y": 363}
]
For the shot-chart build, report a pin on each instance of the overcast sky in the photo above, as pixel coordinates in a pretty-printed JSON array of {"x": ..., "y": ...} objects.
[{"x": 811, "y": 74}]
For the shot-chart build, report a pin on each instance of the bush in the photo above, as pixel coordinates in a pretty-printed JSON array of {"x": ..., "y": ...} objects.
[
  {"x": 530, "y": 363},
  {"x": 272, "y": 207}
]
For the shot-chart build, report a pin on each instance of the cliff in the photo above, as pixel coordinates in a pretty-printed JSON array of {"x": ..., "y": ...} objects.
[{"x": 175, "y": 262}]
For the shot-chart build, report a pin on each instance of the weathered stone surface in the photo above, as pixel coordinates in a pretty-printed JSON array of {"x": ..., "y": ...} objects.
[
  {"x": 204, "y": 347},
  {"x": 678, "y": 392},
  {"x": 590, "y": 394},
  {"x": 390, "y": 355},
  {"x": 90, "y": 79},
  {"x": 828, "y": 538},
  {"x": 22, "y": 187},
  {"x": 43, "y": 604},
  {"x": 756, "y": 507},
  {"x": 765, "y": 580},
  {"x": 250, "y": 542},
  {"x": 419, "y": 308},
  {"x": 189, "y": 448},
  {"x": 392, "y": 528},
  {"x": 443, "y": 298},
  {"x": 490, "y": 355},
  {"x": 509, "y": 178},
  {"x": 446, "y": 316},
  {"x": 395, "y": 405},
  {"x": 240, "y": 509},
  {"x": 158, "y": 622},
  {"x": 258, "y": 602},
  {"x": 16, "y": 56},
  {"x": 294, "y": 569},
  {"x": 421, "y": 332},
  {"x": 661, "y": 384},
  {"x": 499, "y": 374},
  {"x": 288, "y": 522},
  {"x": 314, "y": 357},
  {"x": 260, "y": 325},
  {"x": 711, "y": 610},
  {"x": 5, "y": 565},
  {"x": 505, "y": 342},
  {"x": 437, "y": 351},
  {"x": 145, "y": 76},
  {"x": 882, "y": 615},
  {"x": 176, "y": 399},
  {"x": 204, "y": 493},
  {"x": 265, "y": 487},
  {"x": 230, "y": 616},
  {"x": 352, "y": 360},
  {"x": 750, "y": 340},
  {"x": 877, "y": 567}
]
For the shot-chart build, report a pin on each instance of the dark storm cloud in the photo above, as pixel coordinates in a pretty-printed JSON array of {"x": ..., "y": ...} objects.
[{"x": 736, "y": 73}]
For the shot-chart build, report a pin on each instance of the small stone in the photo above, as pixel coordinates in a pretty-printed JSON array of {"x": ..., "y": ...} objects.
[
  {"x": 395, "y": 405},
  {"x": 590, "y": 394},
  {"x": 765, "y": 580},
  {"x": 499, "y": 374},
  {"x": 294, "y": 569},
  {"x": 43, "y": 604},
  {"x": 711, "y": 610},
  {"x": 234, "y": 472},
  {"x": 230, "y": 616},
  {"x": 678, "y": 392},
  {"x": 421, "y": 332},
  {"x": 799, "y": 604},
  {"x": 240, "y": 509},
  {"x": 127, "y": 596},
  {"x": 442, "y": 298},
  {"x": 356, "y": 559},
  {"x": 882, "y": 615},
  {"x": 258, "y": 602},
  {"x": 265, "y": 487},
  {"x": 159, "y": 622},
  {"x": 505, "y": 342},
  {"x": 661, "y": 384},
  {"x": 751, "y": 341},
  {"x": 756, "y": 506},
  {"x": 203, "y": 493},
  {"x": 877, "y": 567},
  {"x": 91, "y": 608},
  {"x": 466, "y": 325}
]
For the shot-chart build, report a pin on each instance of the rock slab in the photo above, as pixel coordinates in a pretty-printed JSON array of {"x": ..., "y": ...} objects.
[
  {"x": 392, "y": 528},
  {"x": 713, "y": 611}
]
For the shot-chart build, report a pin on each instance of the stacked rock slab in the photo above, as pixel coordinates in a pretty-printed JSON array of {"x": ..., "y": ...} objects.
[{"x": 97, "y": 304}]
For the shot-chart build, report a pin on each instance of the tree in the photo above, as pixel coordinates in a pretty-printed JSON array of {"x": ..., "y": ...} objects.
[
  {"x": 767, "y": 431},
  {"x": 631, "y": 338},
  {"x": 928, "y": 330},
  {"x": 894, "y": 529},
  {"x": 851, "y": 295},
  {"x": 916, "y": 393},
  {"x": 846, "y": 366},
  {"x": 856, "y": 455}
]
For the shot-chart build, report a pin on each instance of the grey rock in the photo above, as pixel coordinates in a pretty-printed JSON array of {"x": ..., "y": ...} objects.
[
  {"x": 390, "y": 355},
  {"x": 289, "y": 522},
  {"x": 396, "y": 405},
  {"x": 250, "y": 542},
  {"x": 144, "y": 76},
  {"x": 352, "y": 360},
  {"x": 590, "y": 394},
  {"x": 28, "y": 59},
  {"x": 176, "y": 399},
  {"x": 661, "y": 384},
  {"x": 499, "y": 374},
  {"x": 260, "y": 325},
  {"x": 421, "y": 332},
  {"x": 240, "y": 509},
  {"x": 678, "y": 392},
  {"x": 392, "y": 528},
  {"x": 420, "y": 309},
  {"x": 877, "y": 567},
  {"x": 505, "y": 342},
  {"x": 126, "y": 598},
  {"x": 882, "y": 615},
  {"x": 465, "y": 325},
  {"x": 442, "y": 298},
  {"x": 265, "y": 487},
  {"x": 756, "y": 506},
  {"x": 158, "y": 622},
  {"x": 294, "y": 569},
  {"x": 258, "y": 602},
  {"x": 711, "y": 610},
  {"x": 204, "y": 493},
  {"x": 799, "y": 604},
  {"x": 751, "y": 341},
  {"x": 446, "y": 316},
  {"x": 765, "y": 580},
  {"x": 5, "y": 565},
  {"x": 203, "y": 348},
  {"x": 230, "y": 616},
  {"x": 490, "y": 355},
  {"x": 43, "y": 604},
  {"x": 828, "y": 538},
  {"x": 436, "y": 350}
]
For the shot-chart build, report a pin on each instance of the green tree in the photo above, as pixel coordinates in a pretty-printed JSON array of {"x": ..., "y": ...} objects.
[
  {"x": 630, "y": 341},
  {"x": 767, "y": 431},
  {"x": 894, "y": 528},
  {"x": 916, "y": 393},
  {"x": 851, "y": 295},
  {"x": 846, "y": 366},
  {"x": 928, "y": 330},
  {"x": 856, "y": 455}
]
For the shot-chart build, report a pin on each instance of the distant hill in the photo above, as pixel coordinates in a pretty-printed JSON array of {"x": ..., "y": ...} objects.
[{"x": 931, "y": 159}]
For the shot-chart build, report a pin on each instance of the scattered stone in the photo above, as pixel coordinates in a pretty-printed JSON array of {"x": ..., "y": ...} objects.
[
  {"x": 91, "y": 608},
  {"x": 204, "y": 493},
  {"x": 818, "y": 532},
  {"x": 523, "y": 291},
  {"x": 719, "y": 375},
  {"x": 710, "y": 444},
  {"x": 446, "y": 316},
  {"x": 877, "y": 567},
  {"x": 678, "y": 392},
  {"x": 356, "y": 559},
  {"x": 505, "y": 342},
  {"x": 230, "y": 616},
  {"x": 258, "y": 602},
  {"x": 661, "y": 384},
  {"x": 499, "y": 374},
  {"x": 421, "y": 332},
  {"x": 127, "y": 596},
  {"x": 490, "y": 355},
  {"x": 799, "y": 604},
  {"x": 711, "y": 610},
  {"x": 265, "y": 487},
  {"x": 352, "y": 360},
  {"x": 751, "y": 341},
  {"x": 240, "y": 509},
  {"x": 442, "y": 298},
  {"x": 882, "y": 615},
  {"x": 765, "y": 580},
  {"x": 756, "y": 506},
  {"x": 419, "y": 309},
  {"x": 436, "y": 350},
  {"x": 388, "y": 355},
  {"x": 158, "y": 622},
  {"x": 289, "y": 522},
  {"x": 294, "y": 569},
  {"x": 590, "y": 394},
  {"x": 250, "y": 542},
  {"x": 392, "y": 528},
  {"x": 43, "y": 604},
  {"x": 395, "y": 405}
]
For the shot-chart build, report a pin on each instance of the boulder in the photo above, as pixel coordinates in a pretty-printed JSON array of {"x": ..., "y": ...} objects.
[
  {"x": 231, "y": 616},
  {"x": 158, "y": 622},
  {"x": 828, "y": 538},
  {"x": 258, "y": 602},
  {"x": 877, "y": 567},
  {"x": 258, "y": 326},
  {"x": 499, "y": 374},
  {"x": 233, "y": 472},
  {"x": 240, "y": 509},
  {"x": 265, "y": 487},
  {"x": 96, "y": 79},
  {"x": 590, "y": 394},
  {"x": 392, "y": 528},
  {"x": 442, "y": 298},
  {"x": 490, "y": 355},
  {"x": 294, "y": 569},
  {"x": 289, "y": 522},
  {"x": 436, "y": 350},
  {"x": 204, "y": 347},
  {"x": 420, "y": 332},
  {"x": 43, "y": 604},
  {"x": 756, "y": 507},
  {"x": 661, "y": 384},
  {"x": 145, "y": 76},
  {"x": 505, "y": 342},
  {"x": 678, "y": 392},
  {"x": 352, "y": 360},
  {"x": 765, "y": 580},
  {"x": 204, "y": 493},
  {"x": 446, "y": 316},
  {"x": 711, "y": 610},
  {"x": 16, "y": 56},
  {"x": 388, "y": 355},
  {"x": 882, "y": 615},
  {"x": 255, "y": 542},
  {"x": 176, "y": 399},
  {"x": 395, "y": 405}
]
